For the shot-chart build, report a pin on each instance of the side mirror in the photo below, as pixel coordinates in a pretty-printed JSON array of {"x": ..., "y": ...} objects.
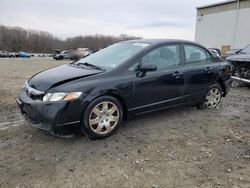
[{"x": 148, "y": 67}]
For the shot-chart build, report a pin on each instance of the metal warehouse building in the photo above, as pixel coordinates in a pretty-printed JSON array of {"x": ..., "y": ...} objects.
[{"x": 224, "y": 24}]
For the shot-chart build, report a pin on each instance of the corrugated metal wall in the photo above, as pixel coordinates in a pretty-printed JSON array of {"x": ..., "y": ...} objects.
[
  {"x": 216, "y": 26},
  {"x": 243, "y": 29}
]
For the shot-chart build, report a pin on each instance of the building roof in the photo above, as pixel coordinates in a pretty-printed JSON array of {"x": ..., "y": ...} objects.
[{"x": 216, "y": 4}]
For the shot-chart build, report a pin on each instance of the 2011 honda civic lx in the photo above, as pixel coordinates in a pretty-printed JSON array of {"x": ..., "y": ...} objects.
[{"x": 97, "y": 92}]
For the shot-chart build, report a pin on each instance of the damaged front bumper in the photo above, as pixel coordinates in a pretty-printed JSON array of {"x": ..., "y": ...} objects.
[
  {"x": 60, "y": 118},
  {"x": 241, "y": 80}
]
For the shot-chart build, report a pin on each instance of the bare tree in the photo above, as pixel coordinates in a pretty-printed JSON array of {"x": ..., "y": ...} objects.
[{"x": 18, "y": 39}]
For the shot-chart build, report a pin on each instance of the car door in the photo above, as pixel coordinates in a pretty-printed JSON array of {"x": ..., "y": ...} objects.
[
  {"x": 163, "y": 87},
  {"x": 199, "y": 72}
]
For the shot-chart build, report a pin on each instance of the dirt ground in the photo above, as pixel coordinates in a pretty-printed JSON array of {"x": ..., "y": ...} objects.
[{"x": 180, "y": 147}]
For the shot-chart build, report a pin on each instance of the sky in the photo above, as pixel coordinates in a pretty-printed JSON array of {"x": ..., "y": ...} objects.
[{"x": 67, "y": 18}]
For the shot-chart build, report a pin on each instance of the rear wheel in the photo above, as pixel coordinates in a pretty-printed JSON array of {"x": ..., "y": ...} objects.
[
  {"x": 102, "y": 117},
  {"x": 212, "y": 98}
]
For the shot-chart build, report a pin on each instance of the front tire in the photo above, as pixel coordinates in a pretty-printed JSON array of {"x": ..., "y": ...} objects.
[
  {"x": 102, "y": 117},
  {"x": 213, "y": 97}
]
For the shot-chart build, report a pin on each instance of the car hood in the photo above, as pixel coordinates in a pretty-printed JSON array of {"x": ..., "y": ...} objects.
[
  {"x": 239, "y": 57},
  {"x": 47, "y": 79}
]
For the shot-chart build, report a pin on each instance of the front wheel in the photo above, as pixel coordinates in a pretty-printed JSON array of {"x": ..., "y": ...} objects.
[
  {"x": 212, "y": 98},
  {"x": 102, "y": 117}
]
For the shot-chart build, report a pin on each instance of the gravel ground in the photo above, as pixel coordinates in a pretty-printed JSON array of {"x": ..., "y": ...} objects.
[{"x": 180, "y": 147}]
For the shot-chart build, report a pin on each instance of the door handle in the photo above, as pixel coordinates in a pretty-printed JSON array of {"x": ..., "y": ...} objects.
[
  {"x": 208, "y": 69},
  {"x": 176, "y": 74}
]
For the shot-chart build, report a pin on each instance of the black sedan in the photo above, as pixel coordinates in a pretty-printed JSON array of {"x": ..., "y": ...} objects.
[{"x": 97, "y": 92}]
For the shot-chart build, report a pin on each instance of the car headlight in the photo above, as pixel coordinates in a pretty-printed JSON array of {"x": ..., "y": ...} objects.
[{"x": 61, "y": 96}]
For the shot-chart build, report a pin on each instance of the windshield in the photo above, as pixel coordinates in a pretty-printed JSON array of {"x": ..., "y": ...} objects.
[
  {"x": 246, "y": 49},
  {"x": 114, "y": 55}
]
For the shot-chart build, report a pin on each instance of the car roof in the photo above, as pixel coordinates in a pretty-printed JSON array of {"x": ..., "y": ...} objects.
[{"x": 159, "y": 41}]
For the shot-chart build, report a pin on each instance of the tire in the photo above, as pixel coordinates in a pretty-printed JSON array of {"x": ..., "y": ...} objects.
[
  {"x": 213, "y": 97},
  {"x": 59, "y": 58},
  {"x": 102, "y": 117}
]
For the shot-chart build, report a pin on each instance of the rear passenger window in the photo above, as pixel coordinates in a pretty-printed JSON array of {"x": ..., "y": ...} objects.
[{"x": 195, "y": 54}]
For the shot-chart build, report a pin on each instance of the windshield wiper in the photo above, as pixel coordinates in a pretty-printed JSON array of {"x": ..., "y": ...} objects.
[{"x": 90, "y": 65}]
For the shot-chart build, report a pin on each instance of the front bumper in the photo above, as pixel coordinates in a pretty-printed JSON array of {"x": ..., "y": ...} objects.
[
  {"x": 247, "y": 81},
  {"x": 60, "y": 118}
]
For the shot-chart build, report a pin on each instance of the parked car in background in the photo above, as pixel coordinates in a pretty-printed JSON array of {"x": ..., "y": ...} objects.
[
  {"x": 79, "y": 53},
  {"x": 14, "y": 54},
  {"x": 6, "y": 54},
  {"x": 216, "y": 51},
  {"x": 241, "y": 65},
  {"x": 60, "y": 55},
  {"x": 97, "y": 92},
  {"x": 56, "y": 52},
  {"x": 71, "y": 54},
  {"x": 24, "y": 55}
]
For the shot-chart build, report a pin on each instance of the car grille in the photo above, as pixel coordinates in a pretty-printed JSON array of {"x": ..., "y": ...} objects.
[{"x": 34, "y": 97}]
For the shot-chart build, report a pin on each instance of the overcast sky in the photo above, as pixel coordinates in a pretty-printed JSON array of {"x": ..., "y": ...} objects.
[{"x": 67, "y": 18}]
